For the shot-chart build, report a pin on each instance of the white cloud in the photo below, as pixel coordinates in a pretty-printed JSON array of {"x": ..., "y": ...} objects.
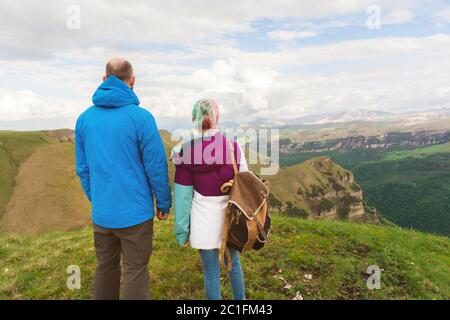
[
  {"x": 285, "y": 35},
  {"x": 241, "y": 90},
  {"x": 25, "y": 104},
  {"x": 180, "y": 54},
  {"x": 398, "y": 17},
  {"x": 442, "y": 17},
  {"x": 118, "y": 24},
  {"x": 384, "y": 73}
]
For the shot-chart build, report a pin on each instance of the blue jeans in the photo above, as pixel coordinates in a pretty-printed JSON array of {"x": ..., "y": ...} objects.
[{"x": 211, "y": 271}]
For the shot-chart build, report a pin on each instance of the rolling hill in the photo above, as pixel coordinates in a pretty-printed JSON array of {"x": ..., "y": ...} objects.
[
  {"x": 15, "y": 148},
  {"x": 319, "y": 188},
  {"x": 40, "y": 190}
]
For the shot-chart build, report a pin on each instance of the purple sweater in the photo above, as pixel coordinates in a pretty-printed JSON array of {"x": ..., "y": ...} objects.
[{"x": 205, "y": 164}]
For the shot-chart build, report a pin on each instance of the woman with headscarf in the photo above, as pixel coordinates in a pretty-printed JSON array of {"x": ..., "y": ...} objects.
[{"x": 203, "y": 165}]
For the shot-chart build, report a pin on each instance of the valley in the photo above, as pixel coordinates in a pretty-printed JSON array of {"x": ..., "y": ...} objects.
[{"x": 405, "y": 175}]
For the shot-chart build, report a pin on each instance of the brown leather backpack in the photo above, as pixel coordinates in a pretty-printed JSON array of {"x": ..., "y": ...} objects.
[{"x": 247, "y": 219}]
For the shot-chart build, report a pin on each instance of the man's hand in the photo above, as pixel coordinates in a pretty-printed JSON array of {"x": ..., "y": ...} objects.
[
  {"x": 186, "y": 245},
  {"x": 161, "y": 215}
]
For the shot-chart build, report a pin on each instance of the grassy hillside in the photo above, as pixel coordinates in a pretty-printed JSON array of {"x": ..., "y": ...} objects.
[
  {"x": 15, "y": 148},
  {"x": 346, "y": 158},
  {"x": 319, "y": 188},
  {"x": 318, "y": 259},
  {"x": 352, "y": 158},
  {"x": 419, "y": 152},
  {"x": 39, "y": 191},
  {"x": 304, "y": 176},
  {"x": 48, "y": 195},
  {"x": 168, "y": 144}
]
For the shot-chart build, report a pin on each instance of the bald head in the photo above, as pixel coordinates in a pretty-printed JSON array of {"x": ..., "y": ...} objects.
[{"x": 120, "y": 68}]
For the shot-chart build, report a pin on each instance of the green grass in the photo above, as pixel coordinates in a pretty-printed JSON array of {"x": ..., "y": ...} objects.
[
  {"x": 336, "y": 254},
  {"x": 15, "y": 148},
  {"x": 345, "y": 158},
  {"x": 352, "y": 158},
  {"x": 8, "y": 172},
  {"x": 419, "y": 152}
]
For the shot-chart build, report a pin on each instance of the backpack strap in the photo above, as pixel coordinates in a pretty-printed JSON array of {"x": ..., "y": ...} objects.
[
  {"x": 233, "y": 159},
  {"x": 224, "y": 252},
  {"x": 260, "y": 228},
  {"x": 227, "y": 185}
]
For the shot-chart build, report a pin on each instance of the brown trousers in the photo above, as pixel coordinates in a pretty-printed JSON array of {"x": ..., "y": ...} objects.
[{"x": 134, "y": 244}]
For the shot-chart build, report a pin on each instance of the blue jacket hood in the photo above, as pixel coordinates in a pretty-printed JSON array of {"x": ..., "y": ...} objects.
[{"x": 114, "y": 93}]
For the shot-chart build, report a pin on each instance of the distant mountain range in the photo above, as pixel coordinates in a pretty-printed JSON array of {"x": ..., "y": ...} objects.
[
  {"x": 378, "y": 116},
  {"x": 358, "y": 115}
]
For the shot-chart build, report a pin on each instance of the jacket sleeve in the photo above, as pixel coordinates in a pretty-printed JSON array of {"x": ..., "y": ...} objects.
[
  {"x": 183, "y": 192},
  {"x": 155, "y": 162},
  {"x": 82, "y": 167}
]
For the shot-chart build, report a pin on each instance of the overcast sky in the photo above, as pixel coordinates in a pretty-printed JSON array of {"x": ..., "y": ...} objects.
[{"x": 258, "y": 59}]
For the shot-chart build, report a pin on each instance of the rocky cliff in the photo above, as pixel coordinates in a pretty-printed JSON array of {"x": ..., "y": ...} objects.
[{"x": 388, "y": 140}]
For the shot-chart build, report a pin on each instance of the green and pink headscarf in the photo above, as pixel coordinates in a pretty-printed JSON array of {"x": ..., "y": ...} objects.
[{"x": 205, "y": 115}]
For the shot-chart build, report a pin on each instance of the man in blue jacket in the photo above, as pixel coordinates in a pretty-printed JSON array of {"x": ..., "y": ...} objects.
[{"x": 122, "y": 166}]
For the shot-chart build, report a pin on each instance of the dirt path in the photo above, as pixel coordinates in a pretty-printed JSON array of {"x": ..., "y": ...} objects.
[{"x": 48, "y": 195}]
